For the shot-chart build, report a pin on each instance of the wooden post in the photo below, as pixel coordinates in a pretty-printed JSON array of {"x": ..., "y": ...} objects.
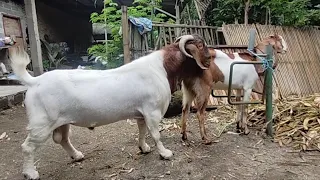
[
  {"x": 178, "y": 32},
  {"x": 125, "y": 35},
  {"x": 268, "y": 82},
  {"x": 151, "y": 32},
  {"x": 32, "y": 23},
  {"x": 105, "y": 31},
  {"x": 137, "y": 43}
]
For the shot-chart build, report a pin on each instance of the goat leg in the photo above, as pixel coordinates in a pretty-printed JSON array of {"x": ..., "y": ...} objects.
[
  {"x": 152, "y": 121},
  {"x": 187, "y": 99},
  {"x": 184, "y": 117},
  {"x": 63, "y": 133},
  {"x": 246, "y": 97},
  {"x": 245, "y": 122},
  {"x": 239, "y": 112},
  {"x": 143, "y": 146},
  {"x": 35, "y": 139},
  {"x": 202, "y": 104}
]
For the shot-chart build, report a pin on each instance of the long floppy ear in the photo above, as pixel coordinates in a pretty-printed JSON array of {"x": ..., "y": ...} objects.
[{"x": 196, "y": 54}]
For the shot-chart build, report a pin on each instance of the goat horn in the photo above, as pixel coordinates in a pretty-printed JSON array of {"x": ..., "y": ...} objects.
[
  {"x": 177, "y": 39},
  {"x": 182, "y": 44}
]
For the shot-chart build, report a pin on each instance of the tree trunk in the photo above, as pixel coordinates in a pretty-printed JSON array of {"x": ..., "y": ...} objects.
[
  {"x": 246, "y": 11},
  {"x": 266, "y": 20},
  {"x": 269, "y": 16}
]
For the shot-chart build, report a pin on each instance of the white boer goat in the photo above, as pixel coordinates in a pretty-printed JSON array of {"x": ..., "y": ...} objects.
[
  {"x": 90, "y": 98},
  {"x": 217, "y": 78}
]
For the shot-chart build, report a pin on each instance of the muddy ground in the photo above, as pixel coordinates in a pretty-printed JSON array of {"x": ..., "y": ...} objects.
[{"x": 111, "y": 153}]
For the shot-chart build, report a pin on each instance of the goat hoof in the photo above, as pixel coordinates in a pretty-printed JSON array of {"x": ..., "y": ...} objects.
[
  {"x": 206, "y": 142},
  {"x": 238, "y": 126},
  {"x": 238, "y": 130},
  {"x": 184, "y": 137},
  {"x": 246, "y": 132},
  {"x": 145, "y": 150},
  {"x": 78, "y": 156},
  {"x": 31, "y": 175},
  {"x": 166, "y": 154}
]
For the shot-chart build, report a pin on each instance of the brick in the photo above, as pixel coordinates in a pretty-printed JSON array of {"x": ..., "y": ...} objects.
[
  {"x": 7, "y": 11},
  {"x": 7, "y": 5},
  {"x": 15, "y": 7}
]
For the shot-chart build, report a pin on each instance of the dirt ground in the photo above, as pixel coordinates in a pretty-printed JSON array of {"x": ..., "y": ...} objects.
[{"x": 111, "y": 152}]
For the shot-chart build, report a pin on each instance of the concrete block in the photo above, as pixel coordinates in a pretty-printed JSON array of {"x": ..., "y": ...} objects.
[
  {"x": 11, "y": 100},
  {"x": 3, "y": 103},
  {"x": 18, "y": 98}
]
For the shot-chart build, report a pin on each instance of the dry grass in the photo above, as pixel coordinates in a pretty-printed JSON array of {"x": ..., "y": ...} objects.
[{"x": 296, "y": 122}]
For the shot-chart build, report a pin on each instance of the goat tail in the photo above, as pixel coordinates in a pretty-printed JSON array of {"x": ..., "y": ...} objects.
[{"x": 19, "y": 61}]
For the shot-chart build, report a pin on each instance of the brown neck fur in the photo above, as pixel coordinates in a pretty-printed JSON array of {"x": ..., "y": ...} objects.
[{"x": 178, "y": 66}]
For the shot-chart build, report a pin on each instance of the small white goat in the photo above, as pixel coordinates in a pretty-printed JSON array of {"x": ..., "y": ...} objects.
[{"x": 91, "y": 98}]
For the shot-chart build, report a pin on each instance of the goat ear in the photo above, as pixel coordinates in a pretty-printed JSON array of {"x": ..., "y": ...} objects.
[{"x": 196, "y": 55}]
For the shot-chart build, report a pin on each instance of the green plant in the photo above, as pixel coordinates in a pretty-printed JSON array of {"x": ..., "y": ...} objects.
[
  {"x": 111, "y": 17},
  {"x": 52, "y": 55}
]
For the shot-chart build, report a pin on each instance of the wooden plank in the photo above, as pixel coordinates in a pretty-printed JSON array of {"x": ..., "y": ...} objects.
[
  {"x": 164, "y": 36},
  {"x": 12, "y": 26},
  {"x": 158, "y": 24},
  {"x": 170, "y": 35}
]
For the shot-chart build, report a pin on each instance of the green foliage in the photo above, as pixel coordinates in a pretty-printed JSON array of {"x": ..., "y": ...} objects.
[
  {"x": 283, "y": 12},
  {"x": 53, "y": 55},
  {"x": 111, "y": 17},
  {"x": 191, "y": 14}
]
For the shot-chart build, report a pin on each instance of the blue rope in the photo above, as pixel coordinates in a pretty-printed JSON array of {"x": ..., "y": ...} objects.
[{"x": 265, "y": 64}]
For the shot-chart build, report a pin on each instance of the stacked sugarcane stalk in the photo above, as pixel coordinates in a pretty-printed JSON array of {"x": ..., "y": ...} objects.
[{"x": 296, "y": 122}]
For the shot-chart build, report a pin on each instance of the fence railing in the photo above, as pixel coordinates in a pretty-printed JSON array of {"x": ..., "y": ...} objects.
[{"x": 163, "y": 34}]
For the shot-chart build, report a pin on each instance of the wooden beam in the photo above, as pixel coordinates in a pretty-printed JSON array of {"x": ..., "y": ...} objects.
[
  {"x": 165, "y": 12},
  {"x": 125, "y": 34},
  {"x": 159, "y": 24},
  {"x": 32, "y": 23},
  {"x": 229, "y": 46}
]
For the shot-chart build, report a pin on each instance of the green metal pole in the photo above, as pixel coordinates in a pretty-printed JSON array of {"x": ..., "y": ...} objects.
[{"x": 269, "y": 92}]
